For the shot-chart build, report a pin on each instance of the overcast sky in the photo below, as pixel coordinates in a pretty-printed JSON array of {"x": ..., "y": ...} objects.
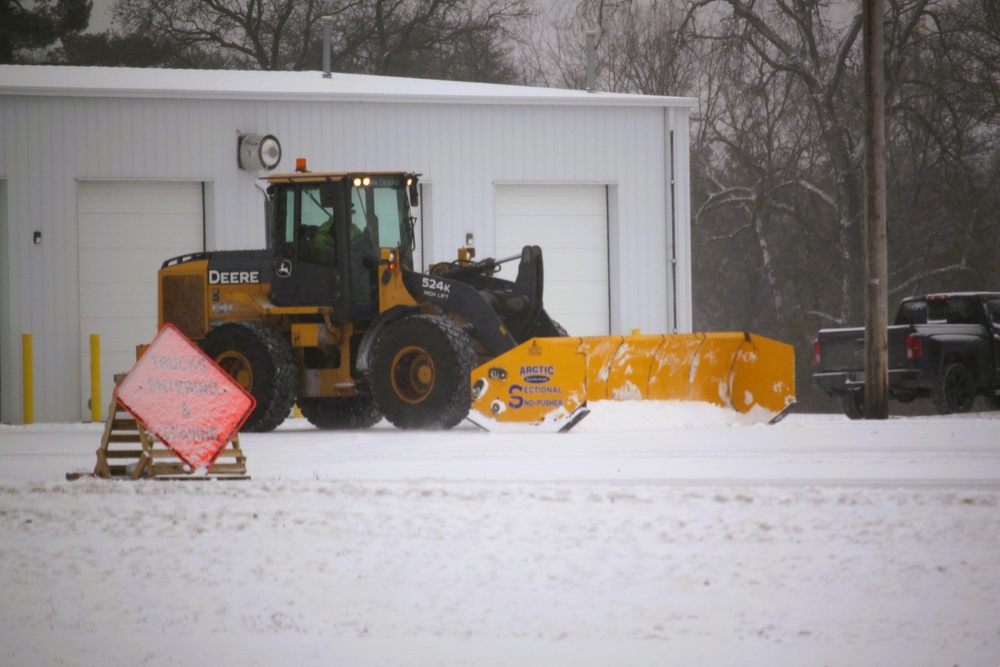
[{"x": 100, "y": 16}]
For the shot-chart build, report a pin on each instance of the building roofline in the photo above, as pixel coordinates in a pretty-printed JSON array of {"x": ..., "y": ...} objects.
[{"x": 126, "y": 82}]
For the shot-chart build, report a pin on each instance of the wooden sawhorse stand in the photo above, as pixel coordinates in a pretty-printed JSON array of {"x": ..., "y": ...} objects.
[{"x": 128, "y": 451}]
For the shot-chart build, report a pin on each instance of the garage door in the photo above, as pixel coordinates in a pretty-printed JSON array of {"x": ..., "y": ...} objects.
[
  {"x": 127, "y": 229},
  {"x": 570, "y": 224}
]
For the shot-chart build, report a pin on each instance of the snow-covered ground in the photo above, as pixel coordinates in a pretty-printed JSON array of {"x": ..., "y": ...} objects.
[{"x": 652, "y": 534}]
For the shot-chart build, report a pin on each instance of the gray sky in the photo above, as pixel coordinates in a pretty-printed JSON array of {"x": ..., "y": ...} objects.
[{"x": 100, "y": 16}]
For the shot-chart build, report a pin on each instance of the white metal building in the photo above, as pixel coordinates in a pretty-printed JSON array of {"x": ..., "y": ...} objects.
[{"x": 105, "y": 173}]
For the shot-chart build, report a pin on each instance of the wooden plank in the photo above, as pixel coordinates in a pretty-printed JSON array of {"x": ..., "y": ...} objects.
[
  {"x": 123, "y": 453},
  {"x": 124, "y": 437},
  {"x": 190, "y": 478},
  {"x": 168, "y": 469},
  {"x": 220, "y": 468}
]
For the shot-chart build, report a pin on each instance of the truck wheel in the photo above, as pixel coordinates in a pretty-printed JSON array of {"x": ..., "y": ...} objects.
[
  {"x": 853, "y": 404},
  {"x": 260, "y": 361},
  {"x": 955, "y": 390},
  {"x": 420, "y": 372},
  {"x": 346, "y": 413}
]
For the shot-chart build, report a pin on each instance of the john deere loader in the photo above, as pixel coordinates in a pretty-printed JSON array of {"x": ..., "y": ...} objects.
[{"x": 333, "y": 317}]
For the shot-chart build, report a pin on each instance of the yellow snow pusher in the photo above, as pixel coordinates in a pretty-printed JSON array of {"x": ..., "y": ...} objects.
[
  {"x": 550, "y": 380},
  {"x": 333, "y": 317}
]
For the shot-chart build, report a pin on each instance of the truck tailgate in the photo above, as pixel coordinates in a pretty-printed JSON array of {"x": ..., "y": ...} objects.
[{"x": 844, "y": 349}]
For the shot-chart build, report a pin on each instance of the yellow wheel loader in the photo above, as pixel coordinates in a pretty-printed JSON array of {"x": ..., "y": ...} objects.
[{"x": 333, "y": 317}]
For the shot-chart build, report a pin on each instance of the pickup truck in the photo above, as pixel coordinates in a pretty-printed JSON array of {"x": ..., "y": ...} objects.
[{"x": 945, "y": 347}]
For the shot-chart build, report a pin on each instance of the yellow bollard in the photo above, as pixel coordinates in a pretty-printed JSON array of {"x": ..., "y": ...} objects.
[
  {"x": 95, "y": 378},
  {"x": 28, "y": 378}
]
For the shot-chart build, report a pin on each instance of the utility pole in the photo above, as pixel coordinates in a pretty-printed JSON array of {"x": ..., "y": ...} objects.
[{"x": 876, "y": 263}]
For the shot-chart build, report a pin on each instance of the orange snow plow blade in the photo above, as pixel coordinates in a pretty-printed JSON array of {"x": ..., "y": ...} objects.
[{"x": 548, "y": 381}]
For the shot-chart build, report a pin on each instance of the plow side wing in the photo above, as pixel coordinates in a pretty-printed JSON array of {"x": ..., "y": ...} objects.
[{"x": 550, "y": 380}]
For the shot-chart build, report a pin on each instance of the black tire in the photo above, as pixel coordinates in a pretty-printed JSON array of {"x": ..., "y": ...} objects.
[
  {"x": 955, "y": 390},
  {"x": 260, "y": 361},
  {"x": 347, "y": 413},
  {"x": 420, "y": 372},
  {"x": 544, "y": 327},
  {"x": 853, "y": 404}
]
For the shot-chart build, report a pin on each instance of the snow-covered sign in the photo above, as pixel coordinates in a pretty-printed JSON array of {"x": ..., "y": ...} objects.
[{"x": 183, "y": 399}]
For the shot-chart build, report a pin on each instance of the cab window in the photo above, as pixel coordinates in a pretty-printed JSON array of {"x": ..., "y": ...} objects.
[{"x": 316, "y": 229}]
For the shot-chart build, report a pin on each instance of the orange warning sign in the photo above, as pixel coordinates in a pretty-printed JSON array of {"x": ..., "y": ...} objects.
[{"x": 183, "y": 399}]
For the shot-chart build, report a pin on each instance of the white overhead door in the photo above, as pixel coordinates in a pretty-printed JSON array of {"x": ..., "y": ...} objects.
[
  {"x": 570, "y": 224},
  {"x": 127, "y": 229}
]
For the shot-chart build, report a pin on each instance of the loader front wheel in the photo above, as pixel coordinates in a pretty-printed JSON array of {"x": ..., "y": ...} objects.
[
  {"x": 347, "y": 413},
  {"x": 420, "y": 372},
  {"x": 260, "y": 361}
]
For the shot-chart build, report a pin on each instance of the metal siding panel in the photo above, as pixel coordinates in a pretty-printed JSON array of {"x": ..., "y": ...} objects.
[
  {"x": 8, "y": 405},
  {"x": 642, "y": 289},
  {"x": 681, "y": 210},
  {"x": 11, "y": 290},
  {"x": 42, "y": 256}
]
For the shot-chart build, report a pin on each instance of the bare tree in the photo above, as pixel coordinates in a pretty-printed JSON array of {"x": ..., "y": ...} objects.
[
  {"x": 945, "y": 150},
  {"x": 409, "y": 37},
  {"x": 790, "y": 71},
  {"x": 27, "y": 28},
  {"x": 247, "y": 34},
  {"x": 777, "y": 150},
  {"x": 641, "y": 48},
  {"x": 467, "y": 38}
]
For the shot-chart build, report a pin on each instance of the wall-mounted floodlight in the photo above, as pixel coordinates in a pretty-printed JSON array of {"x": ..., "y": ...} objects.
[{"x": 258, "y": 152}]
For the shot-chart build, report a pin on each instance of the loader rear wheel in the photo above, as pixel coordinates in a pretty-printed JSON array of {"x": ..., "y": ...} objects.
[
  {"x": 347, "y": 413},
  {"x": 955, "y": 391},
  {"x": 420, "y": 372},
  {"x": 261, "y": 362}
]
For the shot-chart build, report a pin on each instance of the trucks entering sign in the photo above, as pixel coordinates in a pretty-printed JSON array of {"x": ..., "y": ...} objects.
[{"x": 184, "y": 400}]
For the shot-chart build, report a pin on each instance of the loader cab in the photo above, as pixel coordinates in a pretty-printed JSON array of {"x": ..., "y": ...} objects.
[{"x": 325, "y": 231}]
